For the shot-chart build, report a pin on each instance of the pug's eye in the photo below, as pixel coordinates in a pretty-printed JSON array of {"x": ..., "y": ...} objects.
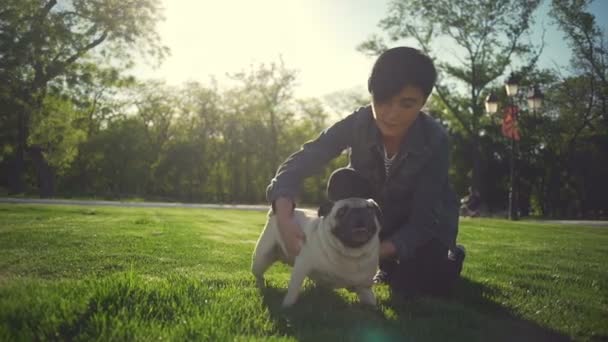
[{"x": 341, "y": 212}]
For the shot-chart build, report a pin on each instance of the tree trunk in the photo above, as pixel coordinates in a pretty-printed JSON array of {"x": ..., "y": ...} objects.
[
  {"x": 44, "y": 171},
  {"x": 476, "y": 177},
  {"x": 30, "y": 101},
  {"x": 554, "y": 190},
  {"x": 16, "y": 182},
  {"x": 274, "y": 137},
  {"x": 245, "y": 196}
]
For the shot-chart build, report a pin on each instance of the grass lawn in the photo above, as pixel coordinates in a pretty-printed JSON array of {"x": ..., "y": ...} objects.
[{"x": 88, "y": 273}]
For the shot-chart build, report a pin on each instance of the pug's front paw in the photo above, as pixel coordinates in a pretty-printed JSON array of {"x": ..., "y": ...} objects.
[
  {"x": 366, "y": 296},
  {"x": 260, "y": 283},
  {"x": 289, "y": 300}
]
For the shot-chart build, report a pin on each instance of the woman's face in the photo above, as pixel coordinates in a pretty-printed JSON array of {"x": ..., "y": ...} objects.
[{"x": 394, "y": 117}]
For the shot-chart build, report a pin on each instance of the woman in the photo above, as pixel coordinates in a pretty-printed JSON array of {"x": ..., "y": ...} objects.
[{"x": 398, "y": 157}]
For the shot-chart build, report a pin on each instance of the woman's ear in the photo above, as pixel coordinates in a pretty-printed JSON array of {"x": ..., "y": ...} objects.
[{"x": 325, "y": 208}]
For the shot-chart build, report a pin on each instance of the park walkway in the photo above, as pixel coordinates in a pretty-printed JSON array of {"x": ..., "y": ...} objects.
[{"x": 586, "y": 223}]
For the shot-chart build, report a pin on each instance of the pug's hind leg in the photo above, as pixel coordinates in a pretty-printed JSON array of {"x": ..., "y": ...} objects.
[
  {"x": 366, "y": 295},
  {"x": 299, "y": 273},
  {"x": 263, "y": 258}
]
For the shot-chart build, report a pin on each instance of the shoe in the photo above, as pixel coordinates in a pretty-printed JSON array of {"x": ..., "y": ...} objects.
[
  {"x": 457, "y": 254},
  {"x": 381, "y": 277}
]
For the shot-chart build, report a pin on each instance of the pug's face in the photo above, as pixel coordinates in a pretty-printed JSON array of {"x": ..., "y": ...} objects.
[{"x": 353, "y": 221}]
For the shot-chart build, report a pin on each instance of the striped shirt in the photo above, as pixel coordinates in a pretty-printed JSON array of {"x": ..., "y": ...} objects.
[{"x": 388, "y": 161}]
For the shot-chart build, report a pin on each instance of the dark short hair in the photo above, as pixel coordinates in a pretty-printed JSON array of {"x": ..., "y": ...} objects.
[{"x": 399, "y": 67}]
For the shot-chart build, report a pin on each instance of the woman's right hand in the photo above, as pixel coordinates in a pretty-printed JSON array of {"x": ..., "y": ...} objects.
[{"x": 291, "y": 233}]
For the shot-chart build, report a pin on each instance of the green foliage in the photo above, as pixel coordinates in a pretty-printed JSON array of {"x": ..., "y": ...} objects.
[
  {"x": 574, "y": 137},
  {"x": 55, "y": 128},
  {"x": 488, "y": 35},
  {"x": 46, "y": 42},
  {"x": 341, "y": 102},
  {"x": 569, "y": 130},
  {"x": 99, "y": 132},
  {"x": 198, "y": 143},
  {"x": 183, "y": 274}
]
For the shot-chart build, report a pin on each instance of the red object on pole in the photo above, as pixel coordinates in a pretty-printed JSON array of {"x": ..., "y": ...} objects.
[{"x": 509, "y": 123}]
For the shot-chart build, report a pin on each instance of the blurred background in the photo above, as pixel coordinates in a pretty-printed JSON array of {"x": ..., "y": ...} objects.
[{"x": 200, "y": 101}]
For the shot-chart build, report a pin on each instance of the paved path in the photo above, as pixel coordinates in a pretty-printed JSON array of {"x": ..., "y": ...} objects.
[
  {"x": 134, "y": 204},
  {"x": 586, "y": 223}
]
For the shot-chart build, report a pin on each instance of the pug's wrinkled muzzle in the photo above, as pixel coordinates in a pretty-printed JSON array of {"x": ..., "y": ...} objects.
[
  {"x": 361, "y": 234},
  {"x": 356, "y": 227}
]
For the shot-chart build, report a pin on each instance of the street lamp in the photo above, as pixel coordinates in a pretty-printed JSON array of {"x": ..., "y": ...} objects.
[
  {"x": 512, "y": 85},
  {"x": 492, "y": 103},
  {"x": 509, "y": 128},
  {"x": 535, "y": 98}
]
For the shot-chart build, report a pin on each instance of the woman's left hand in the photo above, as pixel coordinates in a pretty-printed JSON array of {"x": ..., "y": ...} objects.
[{"x": 387, "y": 250}]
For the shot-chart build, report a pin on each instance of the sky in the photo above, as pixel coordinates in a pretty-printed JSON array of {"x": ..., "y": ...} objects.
[{"x": 317, "y": 38}]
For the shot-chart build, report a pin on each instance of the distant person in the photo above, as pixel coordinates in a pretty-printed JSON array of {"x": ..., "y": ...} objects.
[
  {"x": 469, "y": 205},
  {"x": 398, "y": 157}
]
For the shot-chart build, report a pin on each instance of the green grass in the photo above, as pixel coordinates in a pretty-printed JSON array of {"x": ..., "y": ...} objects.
[{"x": 102, "y": 273}]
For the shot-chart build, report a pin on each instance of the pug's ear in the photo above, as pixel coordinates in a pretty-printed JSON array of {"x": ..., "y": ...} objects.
[
  {"x": 376, "y": 208},
  {"x": 325, "y": 208}
]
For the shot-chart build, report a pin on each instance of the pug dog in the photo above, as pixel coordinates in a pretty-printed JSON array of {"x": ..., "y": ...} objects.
[{"x": 341, "y": 249}]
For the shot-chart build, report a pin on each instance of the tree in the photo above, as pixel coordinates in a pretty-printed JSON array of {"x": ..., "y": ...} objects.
[
  {"x": 345, "y": 102},
  {"x": 576, "y": 144},
  {"x": 588, "y": 44},
  {"x": 96, "y": 97},
  {"x": 489, "y": 35},
  {"x": 121, "y": 156},
  {"x": 269, "y": 89},
  {"x": 41, "y": 40}
]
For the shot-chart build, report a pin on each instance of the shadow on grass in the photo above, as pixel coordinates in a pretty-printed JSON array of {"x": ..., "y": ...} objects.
[
  {"x": 323, "y": 315},
  {"x": 319, "y": 315}
]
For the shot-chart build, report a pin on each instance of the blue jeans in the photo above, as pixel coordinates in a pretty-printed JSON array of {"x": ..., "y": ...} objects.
[{"x": 428, "y": 271}]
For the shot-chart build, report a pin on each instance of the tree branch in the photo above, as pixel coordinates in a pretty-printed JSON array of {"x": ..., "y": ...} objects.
[
  {"x": 58, "y": 67},
  {"x": 47, "y": 8},
  {"x": 456, "y": 113}
]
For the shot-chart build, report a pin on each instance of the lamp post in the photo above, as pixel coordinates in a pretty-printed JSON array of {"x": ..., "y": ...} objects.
[{"x": 510, "y": 130}]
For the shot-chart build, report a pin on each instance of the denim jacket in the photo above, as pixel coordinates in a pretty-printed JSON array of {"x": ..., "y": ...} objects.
[{"x": 415, "y": 197}]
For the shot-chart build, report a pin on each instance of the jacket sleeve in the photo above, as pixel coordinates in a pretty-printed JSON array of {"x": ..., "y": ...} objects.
[
  {"x": 428, "y": 215},
  {"x": 311, "y": 158}
]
